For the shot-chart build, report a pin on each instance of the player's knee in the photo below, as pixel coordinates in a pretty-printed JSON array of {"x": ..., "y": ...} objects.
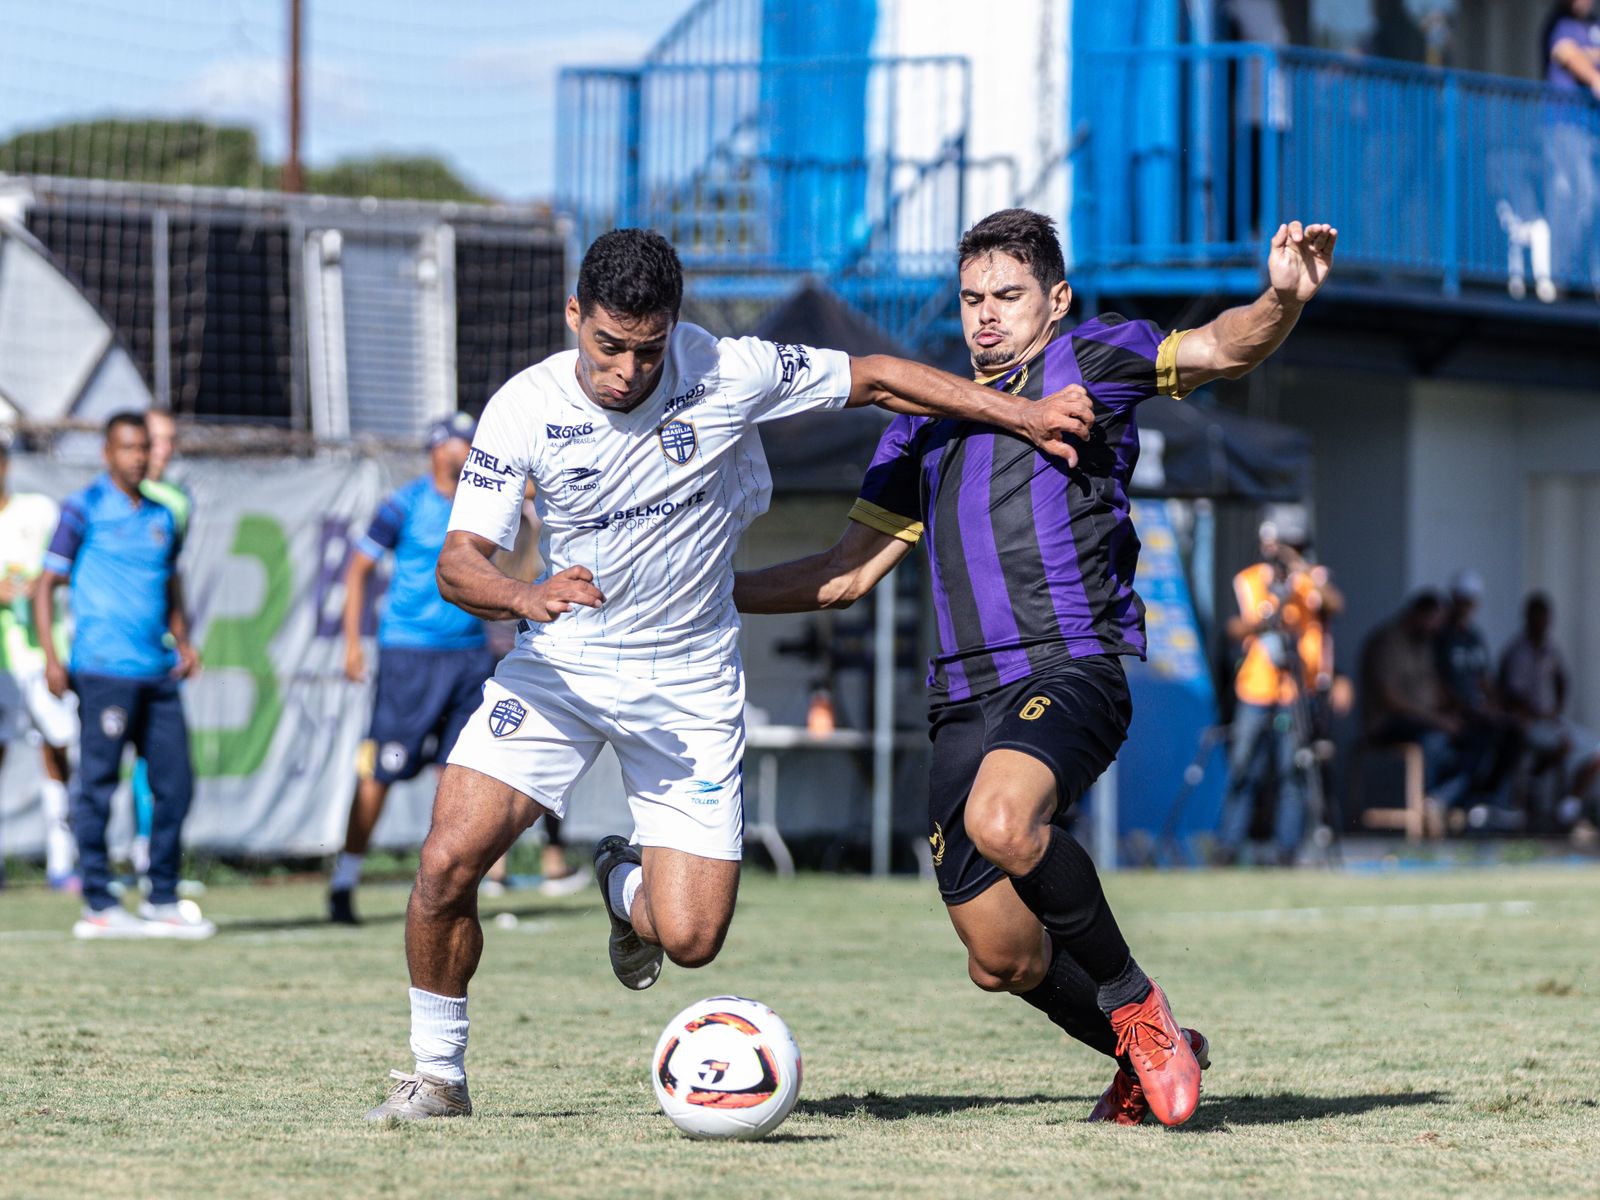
[
  {"x": 693, "y": 946},
  {"x": 1005, "y": 971},
  {"x": 1005, "y": 835},
  {"x": 446, "y": 878}
]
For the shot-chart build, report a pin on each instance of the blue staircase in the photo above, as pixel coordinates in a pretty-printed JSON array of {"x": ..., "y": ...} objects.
[{"x": 766, "y": 170}]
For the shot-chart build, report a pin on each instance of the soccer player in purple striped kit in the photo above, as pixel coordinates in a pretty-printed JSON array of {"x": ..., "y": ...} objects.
[{"x": 1033, "y": 564}]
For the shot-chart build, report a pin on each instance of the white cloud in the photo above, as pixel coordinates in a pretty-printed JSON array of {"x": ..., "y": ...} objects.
[
  {"x": 255, "y": 90},
  {"x": 537, "y": 62}
]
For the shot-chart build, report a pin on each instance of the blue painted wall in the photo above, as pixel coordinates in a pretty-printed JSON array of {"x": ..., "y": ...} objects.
[{"x": 816, "y": 122}]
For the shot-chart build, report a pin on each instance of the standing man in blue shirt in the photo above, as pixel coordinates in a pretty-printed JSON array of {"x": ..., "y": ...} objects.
[
  {"x": 432, "y": 656},
  {"x": 118, "y": 551}
]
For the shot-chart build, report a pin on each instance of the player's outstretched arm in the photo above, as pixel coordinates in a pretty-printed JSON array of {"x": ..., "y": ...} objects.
[
  {"x": 1242, "y": 338},
  {"x": 469, "y": 579},
  {"x": 1054, "y": 424},
  {"x": 836, "y": 578}
]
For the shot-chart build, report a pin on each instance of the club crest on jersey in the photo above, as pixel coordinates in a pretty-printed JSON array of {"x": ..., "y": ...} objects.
[
  {"x": 506, "y": 717},
  {"x": 678, "y": 441}
]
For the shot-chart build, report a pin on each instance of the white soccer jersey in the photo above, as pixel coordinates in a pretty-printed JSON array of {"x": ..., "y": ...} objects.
[{"x": 653, "y": 501}]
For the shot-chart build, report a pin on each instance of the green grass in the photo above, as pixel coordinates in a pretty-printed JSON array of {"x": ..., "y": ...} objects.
[{"x": 1360, "y": 1049}]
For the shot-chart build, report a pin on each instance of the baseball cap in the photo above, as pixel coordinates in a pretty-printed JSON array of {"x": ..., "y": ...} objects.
[
  {"x": 456, "y": 425},
  {"x": 1467, "y": 585}
]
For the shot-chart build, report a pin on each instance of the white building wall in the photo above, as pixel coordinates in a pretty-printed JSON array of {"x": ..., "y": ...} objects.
[{"x": 1020, "y": 76}]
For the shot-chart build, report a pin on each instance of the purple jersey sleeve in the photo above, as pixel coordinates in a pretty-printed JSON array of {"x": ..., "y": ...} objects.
[
  {"x": 384, "y": 532},
  {"x": 1125, "y": 362},
  {"x": 891, "y": 494},
  {"x": 63, "y": 548}
]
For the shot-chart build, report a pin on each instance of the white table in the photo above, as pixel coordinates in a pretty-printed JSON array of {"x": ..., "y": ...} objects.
[{"x": 767, "y": 741}]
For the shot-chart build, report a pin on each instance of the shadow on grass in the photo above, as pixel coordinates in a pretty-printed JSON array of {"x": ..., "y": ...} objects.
[
  {"x": 527, "y": 912},
  {"x": 1215, "y": 1113},
  {"x": 882, "y": 1107},
  {"x": 1284, "y": 1108}
]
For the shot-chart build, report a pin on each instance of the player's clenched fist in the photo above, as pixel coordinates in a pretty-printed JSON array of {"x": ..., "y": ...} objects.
[
  {"x": 561, "y": 591},
  {"x": 1067, "y": 414}
]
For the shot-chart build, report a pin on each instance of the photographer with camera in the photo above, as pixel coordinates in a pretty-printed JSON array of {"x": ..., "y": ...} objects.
[{"x": 1287, "y": 668}]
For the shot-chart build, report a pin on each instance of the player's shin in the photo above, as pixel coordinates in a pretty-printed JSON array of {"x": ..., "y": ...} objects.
[
  {"x": 1069, "y": 998},
  {"x": 1063, "y": 891}
]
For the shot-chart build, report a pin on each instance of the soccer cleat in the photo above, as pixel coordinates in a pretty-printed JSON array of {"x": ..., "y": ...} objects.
[
  {"x": 180, "y": 919},
  {"x": 1169, "y": 1072},
  {"x": 1123, "y": 1103},
  {"x": 420, "y": 1096},
  {"x": 636, "y": 962},
  {"x": 113, "y": 922},
  {"x": 342, "y": 907}
]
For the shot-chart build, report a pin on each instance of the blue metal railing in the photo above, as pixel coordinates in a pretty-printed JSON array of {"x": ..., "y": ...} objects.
[
  {"x": 1432, "y": 176},
  {"x": 731, "y": 161},
  {"x": 712, "y": 31}
]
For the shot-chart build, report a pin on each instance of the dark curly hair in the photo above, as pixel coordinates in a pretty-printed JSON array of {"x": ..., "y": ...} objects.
[
  {"x": 631, "y": 273},
  {"x": 1025, "y": 235}
]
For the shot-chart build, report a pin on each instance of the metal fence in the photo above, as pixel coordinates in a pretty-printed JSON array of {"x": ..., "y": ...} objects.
[
  {"x": 1435, "y": 178},
  {"x": 327, "y": 316}
]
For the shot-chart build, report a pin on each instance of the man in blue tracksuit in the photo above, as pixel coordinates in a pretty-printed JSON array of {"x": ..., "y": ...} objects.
[
  {"x": 117, "y": 549},
  {"x": 432, "y": 656}
]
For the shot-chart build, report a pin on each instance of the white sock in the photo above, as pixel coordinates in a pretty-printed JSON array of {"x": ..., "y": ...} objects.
[
  {"x": 61, "y": 851},
  {"x": 621, "y": 887},
  {"x": 346, "y": 872},
  {"x": 439, "y": 1035}
]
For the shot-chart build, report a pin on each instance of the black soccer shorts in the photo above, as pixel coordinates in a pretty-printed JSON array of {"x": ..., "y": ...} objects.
[{"x": 1073, "y": 718}]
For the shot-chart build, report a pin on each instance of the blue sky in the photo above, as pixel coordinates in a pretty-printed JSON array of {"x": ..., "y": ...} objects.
[{"x": 473, "y": 81}]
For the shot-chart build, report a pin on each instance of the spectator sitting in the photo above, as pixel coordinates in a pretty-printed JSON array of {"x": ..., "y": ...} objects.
[
  {"x": 1533, "y": 684},
  {"x": 1402, "y": 699},
  {"x": 1465, "y": 666}
]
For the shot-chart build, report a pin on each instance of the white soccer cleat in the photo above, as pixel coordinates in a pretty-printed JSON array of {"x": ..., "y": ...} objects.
[
  {"x": 113, "y": 922},
  {"x": 180, "y": 920}
]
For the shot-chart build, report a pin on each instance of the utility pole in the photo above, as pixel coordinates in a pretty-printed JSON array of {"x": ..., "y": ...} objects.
[{"x": 291, "y": 169}]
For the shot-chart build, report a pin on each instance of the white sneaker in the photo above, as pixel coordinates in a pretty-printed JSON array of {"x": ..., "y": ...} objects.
[
  {"x": 113, "y": 922},
  {"x": 179, "y": 920},
  {"x": 570, "y": 884}
]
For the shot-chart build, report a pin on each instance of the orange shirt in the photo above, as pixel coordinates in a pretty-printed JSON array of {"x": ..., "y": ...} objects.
[{"x": 1259, "y": 680}]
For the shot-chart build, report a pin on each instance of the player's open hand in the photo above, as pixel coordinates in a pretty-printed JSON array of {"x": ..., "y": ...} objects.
[
  {"x": 355, "y": 663},
  {"x": 1300, "y": 259},
  {"x": 560, "y": 592},
  {"x": 1059, "y": 422}
]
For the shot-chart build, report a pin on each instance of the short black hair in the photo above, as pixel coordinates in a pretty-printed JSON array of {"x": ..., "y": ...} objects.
[
  {"x": 631, "y": 273},
  {"x": 127, "y": 417},
  {"x": 1425, "y": 601},
  {"x": 1537, "y": 602},
  {"x": 1027, "y": 236}
]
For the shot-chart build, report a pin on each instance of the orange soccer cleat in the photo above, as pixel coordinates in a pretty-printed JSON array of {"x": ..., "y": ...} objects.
[
  {"x": 1123, "y": 1103},
  {"x": 1169, "y": 1072}
]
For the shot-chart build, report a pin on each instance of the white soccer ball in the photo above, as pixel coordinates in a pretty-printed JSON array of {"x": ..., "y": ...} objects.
[{"x": 726, "y": 1067}]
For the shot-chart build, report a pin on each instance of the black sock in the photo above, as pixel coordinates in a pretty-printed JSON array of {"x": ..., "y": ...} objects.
[
  {"x": 1071, "y": 1000},
  {"x": 1063, "y": 891}
]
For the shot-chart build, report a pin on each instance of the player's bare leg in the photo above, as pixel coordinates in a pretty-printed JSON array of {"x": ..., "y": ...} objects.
[
  {"x": 475, "y": 820},
  {"x": 685, "y": 904},
  {"x": 1008, "y": 817},
  {"x": 663, "y": 901}
]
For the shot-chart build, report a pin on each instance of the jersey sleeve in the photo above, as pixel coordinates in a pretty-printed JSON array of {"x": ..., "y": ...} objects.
[
  {"x": 891, "y": 494},
  {"x": 780, "y": 380},
  {"x": 384, "y": 531},
  {"x": 63, "y": 549},
  {"x": 503, "y": 456},
  {"x": 1125, "y": 362}
]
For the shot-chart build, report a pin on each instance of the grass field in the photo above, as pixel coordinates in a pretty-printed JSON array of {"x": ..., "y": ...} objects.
[{"x": 1417, "y": 1035}]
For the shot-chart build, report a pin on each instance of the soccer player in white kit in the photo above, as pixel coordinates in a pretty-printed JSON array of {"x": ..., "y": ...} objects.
[{"x": 643, "y": 448}]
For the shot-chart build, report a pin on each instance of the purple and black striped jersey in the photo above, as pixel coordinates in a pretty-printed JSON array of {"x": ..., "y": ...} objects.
[{"x": 1033, "y": 562}]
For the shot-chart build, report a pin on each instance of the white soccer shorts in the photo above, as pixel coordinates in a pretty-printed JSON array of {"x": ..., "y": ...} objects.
[
  {"x": 680, "y": 743},
  {"x": 26, "y": 704}
]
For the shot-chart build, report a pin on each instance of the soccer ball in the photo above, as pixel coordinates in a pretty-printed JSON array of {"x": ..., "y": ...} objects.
[{"x": 726, "y": 1067}]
